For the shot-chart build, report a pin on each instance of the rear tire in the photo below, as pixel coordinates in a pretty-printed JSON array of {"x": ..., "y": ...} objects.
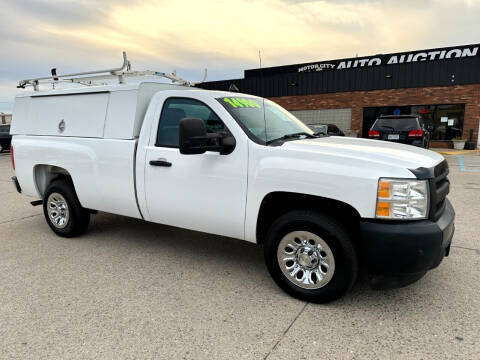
[
  {"x": 311, "y": 256},
  {"x": 62, "y": 209}
]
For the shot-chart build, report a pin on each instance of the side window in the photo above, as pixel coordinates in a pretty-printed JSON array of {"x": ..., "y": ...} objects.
[{"x": 175, "y": 109}]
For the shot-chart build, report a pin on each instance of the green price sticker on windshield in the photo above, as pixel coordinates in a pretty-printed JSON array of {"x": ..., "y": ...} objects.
[{"x": 240, "y": 102}]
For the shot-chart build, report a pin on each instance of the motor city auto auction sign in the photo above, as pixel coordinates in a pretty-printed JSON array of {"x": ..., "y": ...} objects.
[
  {"x": 392, "y": 59},
  {"x": 376, "y": 60}
]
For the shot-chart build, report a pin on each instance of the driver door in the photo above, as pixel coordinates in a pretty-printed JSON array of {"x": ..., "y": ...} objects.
[{"x": 204, "y": 192}]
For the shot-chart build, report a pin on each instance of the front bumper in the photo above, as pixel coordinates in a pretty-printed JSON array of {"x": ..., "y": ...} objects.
[{"x": 399, "y": 253}]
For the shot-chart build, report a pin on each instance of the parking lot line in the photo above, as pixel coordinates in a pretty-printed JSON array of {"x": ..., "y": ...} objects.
[{"x": 462, "y": 165}]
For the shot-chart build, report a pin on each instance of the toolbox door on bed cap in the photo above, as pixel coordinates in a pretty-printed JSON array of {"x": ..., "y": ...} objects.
[{"x": 80, "y": 115}]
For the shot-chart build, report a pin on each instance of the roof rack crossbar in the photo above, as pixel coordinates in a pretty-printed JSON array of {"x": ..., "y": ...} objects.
[
  {"x": 34, "y": 82},
  {"x": 120, "y": 73}
]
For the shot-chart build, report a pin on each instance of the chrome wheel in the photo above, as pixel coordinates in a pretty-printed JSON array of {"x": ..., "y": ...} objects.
[
  {"x": 306, "y": 259},
  {"x": 58, "y": 210}
]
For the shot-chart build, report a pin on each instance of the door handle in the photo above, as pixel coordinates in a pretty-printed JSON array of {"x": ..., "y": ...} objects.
[{"x": 160, "y": 163}]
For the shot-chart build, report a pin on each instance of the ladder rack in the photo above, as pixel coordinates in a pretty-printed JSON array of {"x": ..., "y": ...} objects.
[{"x": 88, "y": 78}]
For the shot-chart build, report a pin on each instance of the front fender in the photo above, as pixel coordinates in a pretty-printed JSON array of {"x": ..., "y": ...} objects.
[{"x": 348, "y": 180}]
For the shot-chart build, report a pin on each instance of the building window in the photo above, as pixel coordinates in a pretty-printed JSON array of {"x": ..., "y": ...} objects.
[{"x": 443, "y": 121}]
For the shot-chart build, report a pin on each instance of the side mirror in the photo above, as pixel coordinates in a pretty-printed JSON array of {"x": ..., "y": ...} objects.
[
  {"x": 192, "y": 136},
  {"x": 227, "y": 144},
  {"x": 194, "y": 139}
]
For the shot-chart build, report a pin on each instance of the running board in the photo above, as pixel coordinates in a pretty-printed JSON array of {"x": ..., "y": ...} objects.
[{"x": 36, "y": 202}]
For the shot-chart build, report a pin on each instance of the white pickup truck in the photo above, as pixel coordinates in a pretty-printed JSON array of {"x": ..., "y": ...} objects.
[{"x": 240, "y": 166}]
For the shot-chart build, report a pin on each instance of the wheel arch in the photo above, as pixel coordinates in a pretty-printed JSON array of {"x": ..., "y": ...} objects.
[
  {"x": 275, "y": 204},
  {"x": 44, "y": 174}
]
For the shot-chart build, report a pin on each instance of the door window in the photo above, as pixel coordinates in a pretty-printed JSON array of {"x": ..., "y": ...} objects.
[{"x": 175, "y": 109}]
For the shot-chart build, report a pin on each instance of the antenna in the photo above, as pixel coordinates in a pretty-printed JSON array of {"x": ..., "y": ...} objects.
[
  {"x": 260, "y": 58},
  {"x": 88, "y": 78}
]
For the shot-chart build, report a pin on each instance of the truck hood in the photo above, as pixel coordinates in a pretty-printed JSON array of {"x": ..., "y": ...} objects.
[{"x": 375, "y": 151}]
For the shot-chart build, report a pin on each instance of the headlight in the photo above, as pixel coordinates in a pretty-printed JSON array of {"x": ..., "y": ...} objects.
[{"x": 402, "y": 199}]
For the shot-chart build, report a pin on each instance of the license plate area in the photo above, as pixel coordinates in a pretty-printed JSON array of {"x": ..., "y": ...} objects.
[{"x": 393, "y": 137}]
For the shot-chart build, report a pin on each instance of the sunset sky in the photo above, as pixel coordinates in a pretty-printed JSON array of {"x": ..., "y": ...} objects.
[{"x": 223, "y": 36}]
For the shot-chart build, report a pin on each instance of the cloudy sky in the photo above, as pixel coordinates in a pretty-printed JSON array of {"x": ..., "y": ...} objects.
[{"x": 223, "y": 36}]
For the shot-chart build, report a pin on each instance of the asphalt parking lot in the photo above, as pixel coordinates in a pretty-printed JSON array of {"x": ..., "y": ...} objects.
[{"x": 129, "y": 289}]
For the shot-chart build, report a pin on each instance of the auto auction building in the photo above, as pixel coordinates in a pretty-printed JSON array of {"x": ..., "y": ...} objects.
[{"x": 440, "y": 85}]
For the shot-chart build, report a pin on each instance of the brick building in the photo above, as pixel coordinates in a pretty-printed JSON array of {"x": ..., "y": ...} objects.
[{"x": 440, "y": 85}]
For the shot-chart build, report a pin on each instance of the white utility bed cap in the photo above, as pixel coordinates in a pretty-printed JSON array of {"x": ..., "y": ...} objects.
[{"x": 105, "y": 111}]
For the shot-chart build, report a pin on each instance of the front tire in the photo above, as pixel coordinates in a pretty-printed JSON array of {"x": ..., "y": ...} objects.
[
  {"x": 311, "y": 256},
  {"x": 62, "y": 210}
]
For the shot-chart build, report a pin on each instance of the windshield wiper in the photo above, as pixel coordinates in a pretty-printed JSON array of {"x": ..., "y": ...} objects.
[{"x": 293, "y": 136}]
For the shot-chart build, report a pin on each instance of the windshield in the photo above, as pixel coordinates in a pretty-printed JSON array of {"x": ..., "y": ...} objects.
[
  {"x": 263, "y": 119},
  {"x": 398, "y": 124}
]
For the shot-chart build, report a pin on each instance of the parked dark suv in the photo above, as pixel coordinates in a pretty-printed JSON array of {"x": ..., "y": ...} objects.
[
  {"x": 405, "y": 129},
  {"x": 5, "y": 137}
]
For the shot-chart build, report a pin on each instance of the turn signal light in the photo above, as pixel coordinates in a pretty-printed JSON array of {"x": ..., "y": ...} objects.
[
  {"x": 373, "y": 133},
  {"x": 415, "y": 133},
  {"x": 383, "y": 209},
  {"x": 384, "y": 189}
]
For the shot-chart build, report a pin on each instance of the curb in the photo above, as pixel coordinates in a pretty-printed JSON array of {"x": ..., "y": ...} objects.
[{"x": 457, "y": 152}]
